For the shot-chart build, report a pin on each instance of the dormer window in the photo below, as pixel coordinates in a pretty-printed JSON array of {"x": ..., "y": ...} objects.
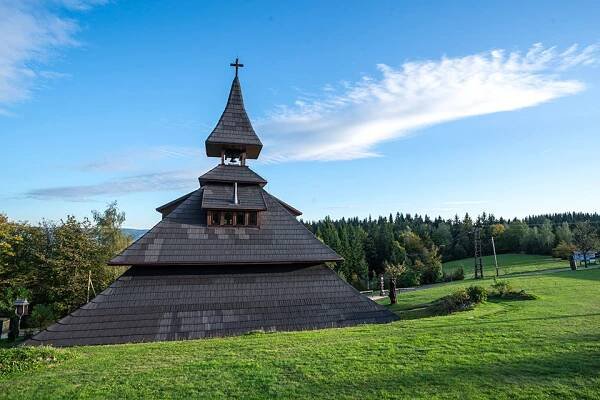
[{"x": 232, "y": 218}]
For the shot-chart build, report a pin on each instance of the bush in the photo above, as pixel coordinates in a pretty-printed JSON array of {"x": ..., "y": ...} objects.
[
  {"x": 410, "y": 278},
  {"x": 477, "y": 294},
  {"x": 456, "y": 275},
  {"x": 461, "y": 300},
  {"x": 563, "y": 250},
  {"x": 42, "y": 316},
  {"x": 22, "y": 358},
  {"x": 501, "y": 288},
  {"x": 456, "y": 301}
]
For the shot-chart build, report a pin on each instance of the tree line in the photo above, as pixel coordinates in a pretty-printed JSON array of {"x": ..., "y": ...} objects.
[
  {"x": 421, "y": 244},
  {"x": 52, "y": 263}
]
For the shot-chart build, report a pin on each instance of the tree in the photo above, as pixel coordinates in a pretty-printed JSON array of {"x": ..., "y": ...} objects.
[
  {"x": 9, "y": 240},
  {"x": 563, "y": 250},
  {"x": 394, "y": 272},
  {"x": 564, "y": 234},
  {"x": 585, "y": 238}
]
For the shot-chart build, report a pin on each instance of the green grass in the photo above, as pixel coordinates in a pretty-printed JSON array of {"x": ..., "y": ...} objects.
[
  {"x": 540, "y": 349},
  {"x": 509, "y": 264}
]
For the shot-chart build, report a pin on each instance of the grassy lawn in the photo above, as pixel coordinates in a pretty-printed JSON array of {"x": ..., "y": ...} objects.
[
  {"x": 540, "y": 349},
  {"x": 508, "y": 264}
]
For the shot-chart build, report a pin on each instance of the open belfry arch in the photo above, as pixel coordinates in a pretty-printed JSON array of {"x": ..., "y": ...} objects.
[{"x": 225, "y": 259}]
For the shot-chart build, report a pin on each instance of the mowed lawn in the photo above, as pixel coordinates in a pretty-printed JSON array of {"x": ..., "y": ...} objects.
[
  {"x": 508, "y": 264},
  {"x": 538, "y": 349}
]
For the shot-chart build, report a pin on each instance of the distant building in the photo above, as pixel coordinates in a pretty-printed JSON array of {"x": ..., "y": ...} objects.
[{"x": 225, "y": 259}]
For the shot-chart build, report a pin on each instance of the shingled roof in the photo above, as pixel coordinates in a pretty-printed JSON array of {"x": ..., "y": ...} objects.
[
  {"x": 234, "y": 130},
  {"x": 232, "y": 173},
  {"x": 183, "y": 237},
  {"x": 189, "y": 280},
  {"x": 220, "y": 196},
  {"x": 174, "y": 303}
]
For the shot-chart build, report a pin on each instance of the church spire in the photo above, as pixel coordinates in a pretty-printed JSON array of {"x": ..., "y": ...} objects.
[{"x": 234, "y": 136}]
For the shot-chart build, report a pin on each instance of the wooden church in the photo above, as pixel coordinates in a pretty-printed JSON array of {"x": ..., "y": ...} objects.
[{"x": 225, "y": 259}]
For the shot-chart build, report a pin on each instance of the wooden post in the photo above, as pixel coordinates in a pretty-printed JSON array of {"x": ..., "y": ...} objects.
[
  {"x": 495, "y": 258},
  {"x": 89, "y": 283}
]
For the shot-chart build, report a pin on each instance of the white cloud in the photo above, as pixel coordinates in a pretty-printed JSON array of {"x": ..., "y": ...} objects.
[
  {"x": 154, "y": 182},
  {"x": 141, "y": 158},
  {"x": 31, "y": 31},
  {"x": 350, "y": 122}
]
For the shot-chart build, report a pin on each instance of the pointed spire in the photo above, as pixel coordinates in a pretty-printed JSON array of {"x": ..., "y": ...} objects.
[{"x": 234, "y": 133}]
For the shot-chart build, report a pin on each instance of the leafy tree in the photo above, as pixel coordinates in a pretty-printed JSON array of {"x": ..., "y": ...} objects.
[
  {"x": 394, "y": 273},
  {"x": 564, "y": 234},
  {"x": 585, "y": 238},
  {"x": 563, "y": 250}
]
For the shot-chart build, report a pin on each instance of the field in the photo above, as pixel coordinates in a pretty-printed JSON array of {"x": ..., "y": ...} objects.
[
  {"x": 508, "y": 264},
  {"x": 537, "y": 349}
]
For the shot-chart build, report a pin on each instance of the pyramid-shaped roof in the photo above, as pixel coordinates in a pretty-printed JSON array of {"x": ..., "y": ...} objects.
[
  {"x": 232, "y": 173},
  {"x": 234, "y": 131},
  {"x": 184, "y": 238},
  {"x": 150, "y": 303}
]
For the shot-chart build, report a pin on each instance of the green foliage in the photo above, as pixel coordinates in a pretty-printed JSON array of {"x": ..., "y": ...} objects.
[
  {"x": 8, "y": 297},
  {"x": 457, "y": 274},
  {"x": 477, "y": 294},
  {"x": 457, "y": 301},
  {"x": 460, "y": 300},
  {"x": 394, "y": 271},
  {"x": 42, "y": 316},
  {"x": 563, "y": 250},
  {"x": 585, "y": 237},
  {"x": 421, "y": 243},
  {"x": 20, "y": 359},
  {"x": 54, "y": 259},
  {"x": 501, "y": 288},
  {"x": 544, "y": 349},
  {"x": 504, "y": 290}
]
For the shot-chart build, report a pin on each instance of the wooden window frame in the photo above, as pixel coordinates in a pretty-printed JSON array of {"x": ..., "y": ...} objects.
[{"x": 217, "y": 218}]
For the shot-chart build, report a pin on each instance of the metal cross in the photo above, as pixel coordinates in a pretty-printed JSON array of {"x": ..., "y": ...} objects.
[{"x": 236, "y": 65}]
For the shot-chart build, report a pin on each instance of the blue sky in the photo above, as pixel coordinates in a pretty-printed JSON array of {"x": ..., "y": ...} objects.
[{"x": 364, "y": 107}]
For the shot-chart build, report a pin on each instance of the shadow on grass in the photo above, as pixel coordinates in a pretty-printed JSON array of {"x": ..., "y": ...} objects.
[
  {"x": 542, "y": 373},
  {"x": 433, "y": 309}
]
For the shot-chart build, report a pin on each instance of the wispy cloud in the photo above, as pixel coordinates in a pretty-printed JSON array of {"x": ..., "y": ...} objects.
[
  {"x": 350, "y": 120},
  {"x": 134, "y": 159},
  {"x": 31, "y": 32},
  {"x": 155, "y": 182}
]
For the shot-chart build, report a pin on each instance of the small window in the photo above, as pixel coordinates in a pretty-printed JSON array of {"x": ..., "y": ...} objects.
[
  {"x": 214, "y": 218},
  {"x": 252, "y": 218},
  {"x": 228, "y": 218},
  {"x": 240, "y": 218}
]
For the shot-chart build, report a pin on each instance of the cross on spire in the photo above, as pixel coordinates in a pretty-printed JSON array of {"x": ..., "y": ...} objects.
[{"x": 236, "y": 65}]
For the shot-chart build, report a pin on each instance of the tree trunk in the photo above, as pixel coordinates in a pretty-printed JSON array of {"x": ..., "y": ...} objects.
[{"x": 392, "y": 292}]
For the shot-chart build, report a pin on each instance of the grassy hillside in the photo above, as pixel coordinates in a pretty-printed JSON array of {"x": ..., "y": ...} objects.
[
  {"x": 508, "y": 264},
  {"x": 545, "y": 348}
]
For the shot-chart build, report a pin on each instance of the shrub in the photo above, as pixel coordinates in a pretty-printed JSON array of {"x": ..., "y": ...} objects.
[
  {"x": 563, "y": 250},
  {"x": 22, "y": 358},
  {"x": 461, "y": 300},
  {"x": 457, "y": 301},
  {"x": 477, "y": 294},
  {"x": 501, "y": 288},
  {"x": 410, "y": 278},
  {"x": 456, "y": 275},
  {"x": 42, "y": 316}
]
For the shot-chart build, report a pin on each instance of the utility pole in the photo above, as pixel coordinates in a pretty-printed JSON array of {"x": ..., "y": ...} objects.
[
  {"x": 495, "y": 258},
  {"x": 478, "y": 258}
]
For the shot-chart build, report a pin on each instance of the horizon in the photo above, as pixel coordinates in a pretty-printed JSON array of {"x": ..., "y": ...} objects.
[{"x": 433, "y": 110}]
